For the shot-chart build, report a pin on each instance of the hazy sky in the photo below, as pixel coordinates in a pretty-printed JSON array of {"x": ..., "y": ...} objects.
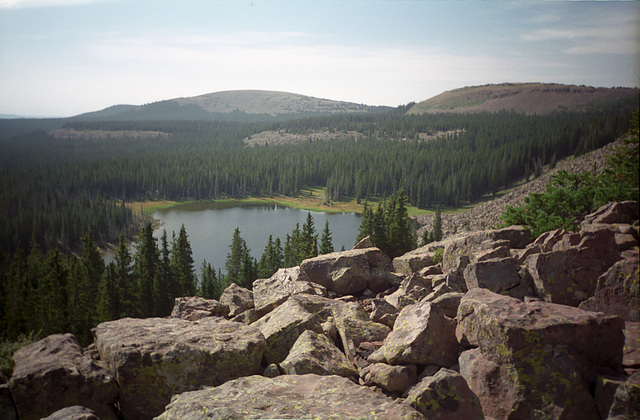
[{"x": 65, "y": 57}]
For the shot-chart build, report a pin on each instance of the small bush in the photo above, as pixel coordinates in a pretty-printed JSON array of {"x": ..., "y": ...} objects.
[
  {"x": 437, "y": 255},
  {"x": 8, "y": 348}
]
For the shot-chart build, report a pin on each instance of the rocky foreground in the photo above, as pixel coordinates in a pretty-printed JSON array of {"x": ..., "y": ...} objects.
[{"x": 502, "y": 328}]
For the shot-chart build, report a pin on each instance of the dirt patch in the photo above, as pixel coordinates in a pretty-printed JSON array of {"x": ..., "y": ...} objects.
[{"x": 65, "y": 133}]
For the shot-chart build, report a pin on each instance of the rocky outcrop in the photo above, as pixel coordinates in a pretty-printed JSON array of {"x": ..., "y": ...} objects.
[
  {"x": 193, "y": 308},
  {"x": 56, "y": 374},
  {"x": 494, "y": 331},
  {"x": 75, "y": 412},
  {"x": 288, "y": 396},
  {"x": 153, "y": 359}
]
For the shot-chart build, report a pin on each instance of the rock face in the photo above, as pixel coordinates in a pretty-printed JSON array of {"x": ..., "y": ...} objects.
[
  {"x": 287, "y": 397},
  {"x": 238, "y": 299},
  {"x": 75, "y": 412},
  {"x": 155, "y": 358},
  {"x": 194, "y": 308},
  {"x": 272, "y": 292},
  {"x": 347, "y": 272},
  {"x": 389, "y": 378},
  {"x": 421, "y": 335},
  {"x": 445, "y": 395},
  {"x": 315, "y": 353},
  {"x": 543, "y": 356},
  {"x": 53, "y": 373}
]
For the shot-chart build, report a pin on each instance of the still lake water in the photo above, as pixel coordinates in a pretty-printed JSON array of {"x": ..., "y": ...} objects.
[{"x": 210, "y": 227}]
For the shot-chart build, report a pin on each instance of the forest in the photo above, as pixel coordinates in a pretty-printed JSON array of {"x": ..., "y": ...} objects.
[{"x": 62, "y": 199}]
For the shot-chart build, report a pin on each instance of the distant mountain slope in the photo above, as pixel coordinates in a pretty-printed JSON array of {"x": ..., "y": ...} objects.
[
  {"x": 235, "y": 105},
  {"x": 529, "y": 98}
]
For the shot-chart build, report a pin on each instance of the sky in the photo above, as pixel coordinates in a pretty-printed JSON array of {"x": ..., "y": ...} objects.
[{"x": 61, "y": 58}]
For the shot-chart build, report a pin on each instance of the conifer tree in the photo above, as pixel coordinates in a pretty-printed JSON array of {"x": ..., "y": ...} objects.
[
  {"x": 109, "y": 303},
  {"x": 366, "y": 223},
  {"x": 308, "y": 247},
  {"x": 238, "y": 262},
  {"x": 437, "y": 226},
  {"x": 127, "y": 303},
  {"x": 182, "y": 264},
  {"x": 165, "y": 287},
  {"x": 208, "y": 282},
  {"x": 146, "y": 270},
  {"x": 93, "y": 268},
  {"x": 326, "y": 243}
]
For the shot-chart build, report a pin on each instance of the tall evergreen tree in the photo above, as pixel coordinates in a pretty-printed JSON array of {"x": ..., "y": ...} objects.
[
  {"x": 209, "y": 282},
  {"x": 308, "y": 247},
  {"x": 127, "y": 304},
  {"x": 237, "y": 260},
  {"x": 165, "y": 286},
  {"x": 366, "y": 223},
  {"x": 146, "y": 270},
  {"x": 93, "y": 268},
  {"x": 326, "y": 243},
  {"x": 437, "y": 226},
  {"x": 182, "y": 264}
]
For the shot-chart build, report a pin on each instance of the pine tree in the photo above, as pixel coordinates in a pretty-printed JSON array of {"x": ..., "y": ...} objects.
[
  {"x": 208, "y": 282},
  {"x": 437, "y": 226},
  {"x": 326, "y": 243},
  {"x": 379, "y": 231},
  {"x": 93, "y": 269},
  {"x": 366, "y": 223},
  {"x": 127, "y": 304},
  {"x": 235, "y": 258},
  {"x": 146, "y": 270},
  {"x": 165, "y": 286},
  {"x": 308, "y": 247},
  {"x": 182, "y": 264},
  {"x": 108, "y": 303}
]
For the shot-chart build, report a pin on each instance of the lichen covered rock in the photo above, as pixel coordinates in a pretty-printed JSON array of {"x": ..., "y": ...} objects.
[
  {"x": 155, "y": 358},
  {"x": 193, "y": 308}
]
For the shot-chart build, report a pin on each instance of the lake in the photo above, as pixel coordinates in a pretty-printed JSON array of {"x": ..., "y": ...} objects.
[{"x": 210, "y": 227}]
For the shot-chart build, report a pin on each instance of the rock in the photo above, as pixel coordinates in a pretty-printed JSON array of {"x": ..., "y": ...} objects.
[
  {"x": 155, "y": 358},
  {"x": 445, "y": 395},
  {"x": 237, "y": 298},
  {"x": 439, "y": 290},
  {"x": 605, "y": 390},
  {"x": 382, "y": 280},
  {"x": 455, "y": 276},
  {"x": 499, "y": 252},
  {"x": 75, "y": 412},
  {"x": 631, "y": 351},
  {"x": 282, "y": 326},
  {"x": 568, "y": 275},
  {"x": 448, "y": 303},
  {"x": 246, "y": 317},
  {"x": 315, "y": 353},
  {"x": 430, "y": 271},
  {"x": 617, "y": 291},
  {"x": 416, "y": 286},
  {"x": 7, "y": 408},
  {"x": 422, "y": 335},
  {"x": 626, "y": 401},
  {"x": 414, "y": 261},
  {"x": 288, "y": 396},
  {"x": 469, "y": 244},
  {"x": 508, "y": 330},
  {"x": 399, "y": 299},
  {"x": 354, "y": 327},
  {"x": 193, "y": 308},
  {"x": 389, "y": 378},
  {"x": 366, "y": 242},
  {"x": 272, "y": 371},
  {"x": 272, "y": 292},
  {"x": 384, "y": 313},
  {"x": 613, "y": 213},
  {"x": 550, "y": 387},
  {"x": 346, "y": 272},
  {"x": 54, "y": 373},
  {"x": 498, "y": 275}
]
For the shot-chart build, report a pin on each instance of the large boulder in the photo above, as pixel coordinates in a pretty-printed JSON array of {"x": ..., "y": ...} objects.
[
  {"x": 270, "y": 293},
  {"x": 548, "y": 387},
  {"x": 288, "y": 396},
  {"x": 282, "y": 326},
  {"x": 315, "y": 353},
  {"x": 499, "y": 275},
  {"x": 7, "y": 408},
  {"x": 508, "y": 330},
  {"x": 414, "y": 261},
  {"x": 155, "y": 358},
  {"x": 618, "y": 291},
  {"x": 346, "y": 272},
  {"x": 445, "y": 396},
  {"x": 626, "y": 401},
  {"x": 613, "y": 213},
  {"x": 421, "y": 335},
  {"x": 53, "y": 373},
  {"x": 237, "y": 298},
  {"x": 193, "y": 308}
]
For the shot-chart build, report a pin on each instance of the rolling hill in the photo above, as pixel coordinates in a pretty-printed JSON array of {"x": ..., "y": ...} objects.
[
  {"x": 528, "y": 98},
  {"x": 235, "y": 105}
]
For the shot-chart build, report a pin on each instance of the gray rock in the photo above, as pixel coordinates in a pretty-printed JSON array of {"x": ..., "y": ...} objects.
[
  {"x": 270, "y": 293},
  {"x": 414, "y": 261},
  {"x": 498, "y": 274},
  {"x": 287, "y": 396},
  {"x": 155, "y": 358},
  {"x": 237, "y": 298},
  {"x": 315, "y": 353},
  {"x": 75, "y": 412},
  {"x": 193, "y": 308},
  {"x": 383, "y": 312},
  {"x": 421, "y": 335},
  {"x": 626, "y": 401},
  {"x": 448, "y": 303},
  {"x": 282, "y": 326},
  {"x": 54, "y": 373},
  {"x": 445, "y": 395}
]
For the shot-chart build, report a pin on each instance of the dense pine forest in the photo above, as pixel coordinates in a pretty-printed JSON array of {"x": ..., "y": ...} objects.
[{"x": 63, "y": 198}]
